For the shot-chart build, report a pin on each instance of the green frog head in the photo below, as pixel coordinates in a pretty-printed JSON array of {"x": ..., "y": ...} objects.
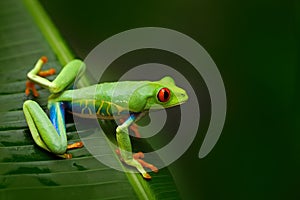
[{"x": 155, "y": 95}]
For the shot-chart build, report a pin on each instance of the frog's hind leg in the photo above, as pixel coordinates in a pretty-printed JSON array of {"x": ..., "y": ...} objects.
[
  {"x": 63, "y": 80},
  {"x": 45, "y": 133},
  {"x": 57, "y": 117}
]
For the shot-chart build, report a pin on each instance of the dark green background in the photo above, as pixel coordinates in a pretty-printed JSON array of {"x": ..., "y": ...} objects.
[{"x": 255, "y": 45}]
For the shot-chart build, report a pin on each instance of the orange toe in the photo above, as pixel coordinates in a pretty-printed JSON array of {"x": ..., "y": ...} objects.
[
  {"x": 67, "y": 156},
  {"x": 48, "y": 72},
  {"x": 146, "y": 176},
  {"x": 44, "y": 59},
  {"x": 138, "y": 155},
  {"x": 75, "y": 145},
  {"x": 30, "y": 87},
  {"x": 147, "y": 165}
]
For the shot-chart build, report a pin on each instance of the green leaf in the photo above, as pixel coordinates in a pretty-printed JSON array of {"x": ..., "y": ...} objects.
[{"x": 27, "y": 171}]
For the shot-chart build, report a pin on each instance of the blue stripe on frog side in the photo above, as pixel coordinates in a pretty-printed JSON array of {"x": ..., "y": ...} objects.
[{"x": 57, "y": 115}]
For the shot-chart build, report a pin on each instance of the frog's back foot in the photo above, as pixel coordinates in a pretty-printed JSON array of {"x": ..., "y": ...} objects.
[{"x": 75, "y": 145}]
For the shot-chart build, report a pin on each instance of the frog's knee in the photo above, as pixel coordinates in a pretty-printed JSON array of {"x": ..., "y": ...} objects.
[
  {"x": 28, "y": 103},
  {"x": 54, "y": 88},
  {"x": 31, "y": 107}
]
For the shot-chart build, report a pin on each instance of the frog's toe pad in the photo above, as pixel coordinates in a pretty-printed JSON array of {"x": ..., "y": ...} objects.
[{"x": 146, "y": 176}]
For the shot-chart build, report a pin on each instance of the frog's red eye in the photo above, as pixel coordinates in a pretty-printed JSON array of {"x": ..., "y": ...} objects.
[{"x": 163, "y": 95}]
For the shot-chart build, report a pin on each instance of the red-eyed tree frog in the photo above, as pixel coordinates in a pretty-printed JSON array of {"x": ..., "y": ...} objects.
[{"x": 127, "y": 99}]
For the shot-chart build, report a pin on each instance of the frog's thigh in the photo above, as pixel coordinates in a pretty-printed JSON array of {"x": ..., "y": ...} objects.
[
  {"x": 42, "y": 130},
  {"x": 67, "y": 76}
]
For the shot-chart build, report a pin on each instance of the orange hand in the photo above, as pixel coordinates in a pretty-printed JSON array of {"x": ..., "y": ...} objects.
[
  {"x": 30, "y": 86},
  {"x": 137, "y": 157},
  {"x": 135, "y": 129},
  {"x": 147, "y": 165}
]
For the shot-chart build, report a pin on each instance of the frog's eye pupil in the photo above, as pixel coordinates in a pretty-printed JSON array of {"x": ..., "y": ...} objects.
[{"x": 163, "y": 95}]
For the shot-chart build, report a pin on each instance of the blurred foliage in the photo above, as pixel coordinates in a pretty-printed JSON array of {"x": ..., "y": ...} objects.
[{"x": 255, "y": 45}]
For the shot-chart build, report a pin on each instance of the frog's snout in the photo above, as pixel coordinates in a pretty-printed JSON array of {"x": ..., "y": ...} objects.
[{"x": 183, "y": 97}]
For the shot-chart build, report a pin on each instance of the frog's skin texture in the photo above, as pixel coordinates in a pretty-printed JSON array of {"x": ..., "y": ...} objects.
[{"x": 107, "y": 101}]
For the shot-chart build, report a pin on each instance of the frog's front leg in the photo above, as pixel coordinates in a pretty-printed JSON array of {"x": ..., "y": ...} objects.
[
  {"x": 64, "y": 79},
  {"x": 133, "y": 127},
  {"x": 50, "y": 134},
  {"x": 126, "y": 149},
  {"x": 30, "y": 84}
]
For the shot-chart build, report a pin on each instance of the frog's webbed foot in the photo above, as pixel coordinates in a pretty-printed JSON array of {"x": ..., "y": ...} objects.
[
  {"x": 138, "y": 157},
  {"x": 30, "y": 86}
]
